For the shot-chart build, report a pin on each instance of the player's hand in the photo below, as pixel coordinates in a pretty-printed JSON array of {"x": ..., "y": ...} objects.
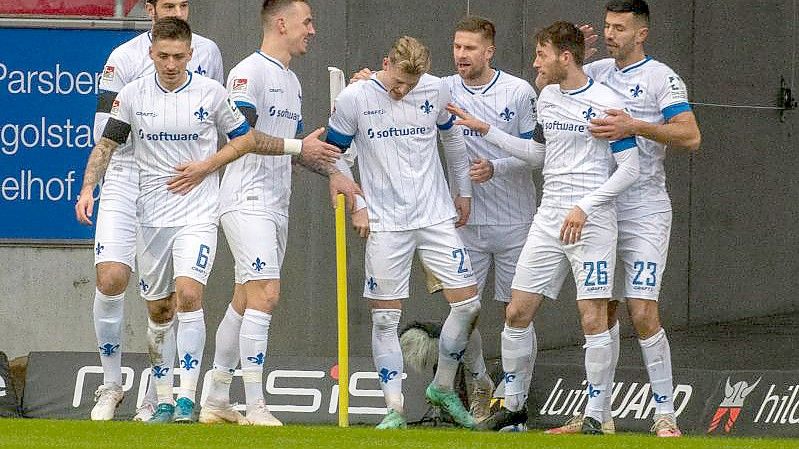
[
  {"x": 463, "y": 205},
  {"x": 467, "y": 120},
  {"x": 591, "y": 39},
  {"x": 360, "y": 222},
  {"x": 617, "y": 125},
  {"x": 572, "y": 228},
  {"x": 481, "y": 170},
  {"x": 85, "y": 206},
  {"x": 342, "y": 184},
  {"x": 190, "y": 175},
  {"x": 363, "y": 74},
  {"x": 316, "y": 151}
]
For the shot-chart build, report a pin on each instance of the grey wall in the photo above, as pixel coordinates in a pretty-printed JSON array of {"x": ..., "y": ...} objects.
[{"x": 731, "y": 252}]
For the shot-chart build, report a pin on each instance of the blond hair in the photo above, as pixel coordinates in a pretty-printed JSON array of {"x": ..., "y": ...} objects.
[{"x": 410, "y": 56}]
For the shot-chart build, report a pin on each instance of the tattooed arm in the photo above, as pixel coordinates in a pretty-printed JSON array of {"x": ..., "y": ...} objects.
[{"x": 95, "y": 170}]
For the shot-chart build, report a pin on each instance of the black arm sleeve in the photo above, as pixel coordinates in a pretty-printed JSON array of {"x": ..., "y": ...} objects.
[
  {"x": 250, "y": 114},
  {"x": 538, "y": 133},
  {"x": 116, "y": 130},
  {"x": 105, "y": 100}
]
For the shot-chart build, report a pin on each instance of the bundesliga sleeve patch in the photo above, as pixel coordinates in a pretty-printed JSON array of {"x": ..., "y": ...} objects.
[
  {"x": 108, "y": 73},
  {"x": 115, "y": 108},
  {"x": 239, "y": 85}
]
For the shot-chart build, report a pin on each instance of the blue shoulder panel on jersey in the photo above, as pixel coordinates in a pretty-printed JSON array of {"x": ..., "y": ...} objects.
[
  {"x": 300, "y": 128},
  {"x": 240, "y": 131},
  {"x": 448, "y": 124},
  {"x": 245, "y": 104},
  {"x": 670, "y": 111},
  {"x": 623, "y": 144},
  {"x": 338, "y": 139},
  {"x": 527, "y": 136}
]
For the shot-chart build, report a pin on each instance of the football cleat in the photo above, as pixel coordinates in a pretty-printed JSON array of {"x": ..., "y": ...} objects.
[
  {"x": 163, "y": 414},
  {"x": 184, "y": 410},
  {"x": 210, "y": 414},
  {"x": 575, "y": 425},
  {"x": 450, "y": 402},
  {"x": 480, "y": 398},
  {"x": 258, "y": 415},
  {"x": 504, "y": 419},
  {"x": 107, "y": 400},
  {"x": 665, "y": 426},
  {"x": 393, "y": 420},
  {"x": 591, "y": 426}
]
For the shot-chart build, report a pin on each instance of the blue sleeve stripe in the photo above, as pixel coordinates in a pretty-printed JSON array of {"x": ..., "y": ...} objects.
[
  {"x": 338, "y": 139},
  {"x": 300, "y": 127},
  {"x": 244, "y": 104},
  {"x": 448, "y": 124},
  {"x": 240, "y": 131},
  {"x": 623, "y": 144},
  {"x": 670, "y": 111},
  {"x": 528, "y": 135}
]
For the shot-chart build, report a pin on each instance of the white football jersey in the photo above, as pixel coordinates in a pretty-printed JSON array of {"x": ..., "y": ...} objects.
[
  {"x": 259, "y": 182},
  {"x": 652, "y": 93},
  {"x": 171, "y": 128},
  {"x": 508, "y": 103},
  {"x": 575, "y": 163},
  {"x": 401, "y": 173},
  {"x": 131, "y": 61}
]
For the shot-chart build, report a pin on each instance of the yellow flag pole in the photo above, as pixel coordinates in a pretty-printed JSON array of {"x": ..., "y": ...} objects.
[{"x": 341, "y": 293}]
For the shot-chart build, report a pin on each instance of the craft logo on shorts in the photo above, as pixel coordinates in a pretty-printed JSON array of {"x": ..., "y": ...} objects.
[
  {"x": 731, "y": 405},
  {"x": 239, "y": 85},
  {"x": 108, "y": 73},
  {"x": 115, "y": 107}
]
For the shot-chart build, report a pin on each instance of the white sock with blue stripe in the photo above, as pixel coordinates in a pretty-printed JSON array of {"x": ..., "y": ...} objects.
[
  {"x": 454, "y": 337},
  {"x": 387, "y": 355},
  {"x": 598, "y": 355},
  {"x": 108, "y": 314},
  {"x": 161, "y": 347},
  {"x": 253, "y": 341},
  {"x": 191, "y": 343}
]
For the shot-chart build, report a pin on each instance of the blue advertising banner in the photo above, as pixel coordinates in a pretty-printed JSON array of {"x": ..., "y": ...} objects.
[{"x": 48, "y": 93}]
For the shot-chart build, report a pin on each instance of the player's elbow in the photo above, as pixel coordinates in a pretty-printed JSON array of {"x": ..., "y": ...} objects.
[{"x": 694, "y": 142}]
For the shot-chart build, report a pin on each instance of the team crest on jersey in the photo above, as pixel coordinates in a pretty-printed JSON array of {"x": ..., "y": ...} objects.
[
  {"x": 239, "y": 85},
  {"x": 427, "y": 107},
  {"x": 506, "y": 115},
  {"x": 108, "y": 73},
  {"x": 636, "y": 91},
  {"x": 115, "y": 107},
  {"x": 201, "y": 114}
]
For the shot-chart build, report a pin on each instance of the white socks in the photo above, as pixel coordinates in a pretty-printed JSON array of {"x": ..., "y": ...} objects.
[
  {"x": 108, "y": 316},
  {"x": 607, "y": 414},
  {"x": 519, "y": 348},
  {"x": 161, "y": 346},
  {"x": 473, "y": 357},
  {"x": 190, "y": 345},
  {"x": 454, "y": 337},
  {"x": 253, "y": 339},
  {"x": 387, "y": 355},
  {"x": 226, "y": 357},
  {"x": 657, "y": 358},
  {"x": 598, "y": 354}
]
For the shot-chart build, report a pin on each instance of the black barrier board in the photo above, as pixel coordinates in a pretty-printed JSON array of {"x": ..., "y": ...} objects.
[
  {"x": 558, "y": 392},
  {"x": 8, "y": 397},
  {"x": 61, "y": 385}
]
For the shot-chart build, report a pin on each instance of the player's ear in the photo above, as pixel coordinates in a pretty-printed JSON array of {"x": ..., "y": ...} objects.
[
  {"x": 150, "y": 9},
  {"x": 490, "y": 50},
  {"x": 641, "y": 35}
]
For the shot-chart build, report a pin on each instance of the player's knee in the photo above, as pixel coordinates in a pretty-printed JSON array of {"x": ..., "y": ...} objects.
[
  {"x": 517, "y": 315},
  {"x": 645, "y": 318},
  {"x": 112, "y": 282},
  {"x": 161, "y": 311},
  {"x": 189, "y": 299}
]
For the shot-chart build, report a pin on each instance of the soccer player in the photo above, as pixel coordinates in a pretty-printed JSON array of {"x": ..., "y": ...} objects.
[
  {"x": 255, "y": 203},
  {"x": 392, "y": 119},
  {"x": 115, "y": 235},
  {"x": 658, "y": 98},
  {"x": 172, "y": 117},
  {"x": 575, "y": 226},
  {"x": 503, "y": 193}
]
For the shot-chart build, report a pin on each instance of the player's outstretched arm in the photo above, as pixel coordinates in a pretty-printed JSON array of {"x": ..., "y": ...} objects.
[
  {"x": 530, "y": 151},
  {"x": 95, "y": 170}
]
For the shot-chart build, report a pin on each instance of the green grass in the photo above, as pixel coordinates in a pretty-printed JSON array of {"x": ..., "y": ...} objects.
[{"x": 33, "y": 434}]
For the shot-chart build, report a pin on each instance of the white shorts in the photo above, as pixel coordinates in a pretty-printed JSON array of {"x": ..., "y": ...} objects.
[
  {"x": 501, "y": 243},
  {"x": 115, "y": 231},
  {"x": 544, "y": 262},
  {"x": 389, "y": 255},
  {"x": 258, "y": 243},
  {"x": 643, "y": 249},
  {"x": 164, "y": 254}
]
